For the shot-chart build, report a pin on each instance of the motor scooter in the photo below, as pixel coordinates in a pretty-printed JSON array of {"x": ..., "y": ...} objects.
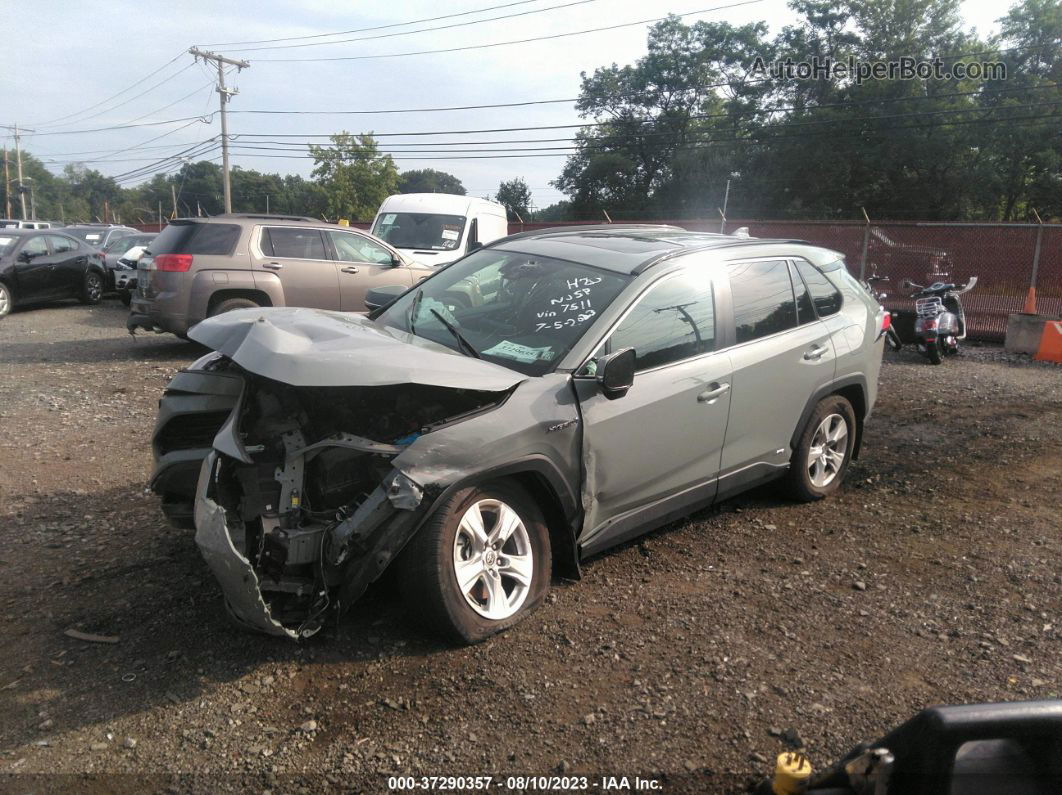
[
  {"x": 940, "y": 321},
  {"x": 892, "y": 337}
]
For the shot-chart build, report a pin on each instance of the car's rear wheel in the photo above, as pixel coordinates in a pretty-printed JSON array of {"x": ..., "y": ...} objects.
[
  {"x": 7, "y": 300},
  {"x": 91, "y": 288},
  {"x": 822, "y": 454},
  {"x": 229, "y": 304},
  {"x": 480, "y": 564}
]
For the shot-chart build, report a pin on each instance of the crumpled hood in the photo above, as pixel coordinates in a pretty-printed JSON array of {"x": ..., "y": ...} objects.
[{"x": 310, "y": 347}]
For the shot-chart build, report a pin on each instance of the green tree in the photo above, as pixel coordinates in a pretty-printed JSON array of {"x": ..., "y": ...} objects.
[
  {"x": 429, "y": 180},
  {"x": 516, "y": 197},
  {"x": 355, "y": 177}
]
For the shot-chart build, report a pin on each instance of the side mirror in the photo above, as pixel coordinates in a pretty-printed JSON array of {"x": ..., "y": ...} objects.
[
  {"x": 906, "y": 284},
  {"x": 615, "y": 373},
  {"x": 382, "y": 296},
  {"x": 24, "y": 256},
  {"x": 474, "y": 245},
  {"x": 396, "y": 260}
]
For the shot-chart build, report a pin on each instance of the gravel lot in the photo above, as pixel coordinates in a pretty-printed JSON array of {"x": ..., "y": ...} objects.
[{"x": 934, "y": 576}]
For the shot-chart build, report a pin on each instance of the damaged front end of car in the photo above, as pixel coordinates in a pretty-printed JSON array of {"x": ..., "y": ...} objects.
[
  {"x": 303, "y": 502},
  {"x": 296, "y": 514}
]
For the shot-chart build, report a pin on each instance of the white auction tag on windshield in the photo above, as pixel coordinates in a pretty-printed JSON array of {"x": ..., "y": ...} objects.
[
  {"x": 450, "y": 234},
  {"x": 521, "y": 353}
]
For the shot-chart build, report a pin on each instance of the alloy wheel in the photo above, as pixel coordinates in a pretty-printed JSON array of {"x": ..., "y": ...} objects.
[
  {"x": 94, "y": 287},
  {"x": 493, "y": 560},
  {"x": 5, "y": 301},
  {"x": 829, "y": 446}
]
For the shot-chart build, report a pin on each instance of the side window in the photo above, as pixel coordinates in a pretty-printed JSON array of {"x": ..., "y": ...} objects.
[
  {"x": 673, "y": 321},
  {"x": 61, "y": 245},
  {"x": 825, "y": 297},
  {"x": 294, "y": 242},
  {"x": 35, "y": 246},
  {"x": 805, "y": 312},
  {"x": 763, "y": 298},
  {"x": 351, "y": 247}
]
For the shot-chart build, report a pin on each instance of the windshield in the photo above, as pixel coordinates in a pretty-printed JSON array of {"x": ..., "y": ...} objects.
[
  {"x": 518, "y": 310},
  {"x": 426, "y": 231},
  {"x": 124, "y": 244},
  {"x": 88, "y": 235},
  {"x": 7, "y": 243}
]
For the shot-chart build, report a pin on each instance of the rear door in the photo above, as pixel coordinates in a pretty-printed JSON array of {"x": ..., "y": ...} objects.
[
  {"x": 782, "y": 354},
  {"x": 657, "y": 448},
  {"x": 298, "y": 256},
  {"x": 69, "y": 261},
  {"x": 362, "y": 264}
]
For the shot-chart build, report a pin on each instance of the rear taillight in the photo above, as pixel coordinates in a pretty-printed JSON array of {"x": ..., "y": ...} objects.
[
  {"x": 886, "y": 322},
  {"x": 173, "y": 262}
]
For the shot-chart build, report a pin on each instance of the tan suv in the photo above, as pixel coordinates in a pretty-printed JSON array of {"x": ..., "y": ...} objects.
[{"x": 200, "y": 267}]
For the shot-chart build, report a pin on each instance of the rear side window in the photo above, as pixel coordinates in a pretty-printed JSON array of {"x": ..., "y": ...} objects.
[
  {"x": 196, "y": 239},
  {"x": 675, "y": 320},
  {"x": 805, "y": 311},
  {"x": 293, "y": 242},
  {"x": 825, "y": 297},
  {"x": 61, "y": 244},
  {"x": 763, "y": 298}
]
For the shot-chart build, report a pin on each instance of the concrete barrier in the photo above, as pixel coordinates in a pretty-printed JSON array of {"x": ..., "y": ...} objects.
[{"x": 1024, "y": 332}]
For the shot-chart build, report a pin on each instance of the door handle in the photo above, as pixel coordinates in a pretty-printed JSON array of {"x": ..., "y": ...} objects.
[
  {"x": 273, "y": 266},
  {"x": 349, "y": 269},
  {"x": 713, "y": 391},
  {"x": 815, "y": 353}
]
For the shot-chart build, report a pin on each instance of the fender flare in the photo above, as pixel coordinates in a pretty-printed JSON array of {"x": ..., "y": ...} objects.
[
  {"x": 857, "y": 380},
  {"x": 563, "y": 516}
]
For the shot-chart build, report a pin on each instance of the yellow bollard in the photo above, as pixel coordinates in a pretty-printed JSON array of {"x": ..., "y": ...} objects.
[{"x": 791, "y": 773}]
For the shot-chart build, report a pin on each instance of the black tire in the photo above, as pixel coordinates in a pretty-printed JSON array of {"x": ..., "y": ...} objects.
[
  {"x": 935, "y": 351},
  {"x": 230, "y": 304},
  {"x": 7, "y": 300},
  {"x": 91, "y": 288},
  {"x": 427, "y": 571},
  {"x": 125, "y": 296},
  {"x": 799, "y": 483},
  {"x": 892, "y": 339}
]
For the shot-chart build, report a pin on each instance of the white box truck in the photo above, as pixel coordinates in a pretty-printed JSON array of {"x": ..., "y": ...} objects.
[{"x": 437, "y": 228}]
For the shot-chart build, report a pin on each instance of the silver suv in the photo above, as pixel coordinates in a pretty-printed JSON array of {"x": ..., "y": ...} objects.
[
  {"x": 532, "y": 404},
  {"x": 201, "y": 267}
]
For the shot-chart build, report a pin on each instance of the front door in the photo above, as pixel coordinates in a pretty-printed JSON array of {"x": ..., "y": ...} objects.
[
  {"x": 657, "y": 448},
  {"x": 298, "y": 256},
  {"x": 363, "y": 264},
  {"x": 35, "y": 271}
]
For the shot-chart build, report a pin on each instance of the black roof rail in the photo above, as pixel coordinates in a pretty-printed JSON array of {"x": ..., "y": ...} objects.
[
  {"x": 268, "y": 217},
  {"x": 560, "y": 230},
  {"x": 736, "y": 242}
]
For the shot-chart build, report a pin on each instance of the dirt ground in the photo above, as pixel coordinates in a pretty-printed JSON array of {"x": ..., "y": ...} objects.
[{"x": 935, "y": 576}]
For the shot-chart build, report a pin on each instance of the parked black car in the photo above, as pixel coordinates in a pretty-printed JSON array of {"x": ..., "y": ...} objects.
[{"x": 43, "y": 266}]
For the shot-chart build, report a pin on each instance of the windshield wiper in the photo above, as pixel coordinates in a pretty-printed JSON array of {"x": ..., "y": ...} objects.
[
  {"x": 413, "y": 310},
  {"x": 461, "y": 341}
]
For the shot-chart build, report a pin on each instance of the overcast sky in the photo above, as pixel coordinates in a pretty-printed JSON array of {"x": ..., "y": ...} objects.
[{"x": 71, "y": 57}]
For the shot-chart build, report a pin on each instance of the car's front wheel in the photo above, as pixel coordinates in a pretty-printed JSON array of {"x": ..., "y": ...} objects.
[
  {"x": 824, "y": 450},
  {"x": 91, "y": 288},
  {"x": 479, "y": 565},
  {"x": 7, "y": 300}
]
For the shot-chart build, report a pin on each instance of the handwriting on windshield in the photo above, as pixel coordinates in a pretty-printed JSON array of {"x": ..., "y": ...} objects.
[{"x": 571, "y": 309}]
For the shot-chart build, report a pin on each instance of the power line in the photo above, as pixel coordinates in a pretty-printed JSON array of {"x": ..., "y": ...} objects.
[
  {"x": 508, "y": 43},
  {"x": 422, "y": 30},
  {"x": 114, "y": 96},
  {"x": 377, "y": 27}
]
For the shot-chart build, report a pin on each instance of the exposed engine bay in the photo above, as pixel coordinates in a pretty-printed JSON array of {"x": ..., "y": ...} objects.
[{"x": 300, "y": 505}]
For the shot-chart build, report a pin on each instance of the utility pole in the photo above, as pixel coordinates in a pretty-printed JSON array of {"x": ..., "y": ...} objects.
[
  {"x": 7, "y": 186},
  {"x": 173, "y": 193},
  {"x": 18, "y": 164},
  {"x": 160, "y": 215},
  {"x": 225, "y": 94},
  {"x": 722, "y": 213}
]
